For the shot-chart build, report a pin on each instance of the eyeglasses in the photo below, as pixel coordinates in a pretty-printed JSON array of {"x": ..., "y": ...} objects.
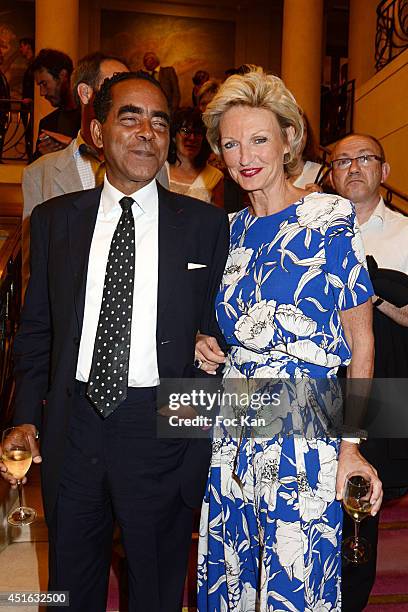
[
  {"x": 363, "y": 160},
  {"x": 184, "y": 131}
]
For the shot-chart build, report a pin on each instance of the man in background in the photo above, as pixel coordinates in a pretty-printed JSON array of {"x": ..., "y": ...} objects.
[
  {"x": 358, "y": 168},
  {"x": 27, "y": 51},
  {"x": 52, "y": 73},
  {"x": 166, "y": 76},
  {"x": 78, "y": 166}
]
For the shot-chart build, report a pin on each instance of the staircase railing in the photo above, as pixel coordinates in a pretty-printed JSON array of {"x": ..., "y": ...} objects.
[
  {"x": 10, "y": 304},
  {"x": 16, "y": 130},
  {"x": 395, "y": 198},
  {"x": 392, "y": 31}
]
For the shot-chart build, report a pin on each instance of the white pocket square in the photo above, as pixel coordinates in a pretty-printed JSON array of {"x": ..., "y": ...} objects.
[{"x": 194, "y": 266}]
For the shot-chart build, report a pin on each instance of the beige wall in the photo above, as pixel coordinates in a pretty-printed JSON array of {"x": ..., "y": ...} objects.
[
  {"x": 381, "y": 110},
  {"x": 361, "y": 44}
]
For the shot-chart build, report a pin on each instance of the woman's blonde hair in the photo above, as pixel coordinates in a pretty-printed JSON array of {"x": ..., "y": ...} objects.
[{"x": 257, "y": 90}]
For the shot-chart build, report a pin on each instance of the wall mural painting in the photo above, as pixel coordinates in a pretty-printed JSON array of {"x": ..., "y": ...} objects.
[
  {"x": 17, "y": 20},
  {"x": 188, "y": 44}
]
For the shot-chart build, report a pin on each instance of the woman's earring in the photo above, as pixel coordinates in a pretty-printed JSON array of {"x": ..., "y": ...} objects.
[{"x": 286, "y": 159}]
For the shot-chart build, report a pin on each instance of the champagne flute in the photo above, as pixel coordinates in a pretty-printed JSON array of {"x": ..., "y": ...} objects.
[
  {"x": 358, "y": 488},
  {"x": 16, "y": 456}
]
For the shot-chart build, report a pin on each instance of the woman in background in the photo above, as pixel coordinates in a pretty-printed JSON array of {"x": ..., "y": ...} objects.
[
  {"x": 189, "y": 172},
  {"x": 306, "y": 172}
]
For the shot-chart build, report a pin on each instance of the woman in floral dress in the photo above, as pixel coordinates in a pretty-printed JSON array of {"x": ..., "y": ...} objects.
[{"x": 295, "y": 303}]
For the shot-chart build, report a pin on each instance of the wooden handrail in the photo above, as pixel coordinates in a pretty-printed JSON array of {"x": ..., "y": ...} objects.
[
  {"x": 391, "y": 193},
  {"x": 396, "y": 192},
  {"x": 11, "y": 245}
]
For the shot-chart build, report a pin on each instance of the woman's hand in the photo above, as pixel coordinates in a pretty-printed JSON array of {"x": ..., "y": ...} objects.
[
  {"x": 351, "y": 460},
  {"x": 208, "y": 352},
  {"x": 31, "y": 432},
  {"x": 313, "y": 187}
]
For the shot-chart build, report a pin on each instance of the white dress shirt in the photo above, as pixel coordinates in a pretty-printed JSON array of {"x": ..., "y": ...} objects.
[
  {"x": 143, "y": 368},
  {"x": 385, "y": 237}
]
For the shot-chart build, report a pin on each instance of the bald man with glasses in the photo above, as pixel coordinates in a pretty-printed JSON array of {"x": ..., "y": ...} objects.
[{"x": 358, "y": 168}]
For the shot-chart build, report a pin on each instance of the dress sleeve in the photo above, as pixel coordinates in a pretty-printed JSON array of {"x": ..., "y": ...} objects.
[{"x": 346, "y": 267}]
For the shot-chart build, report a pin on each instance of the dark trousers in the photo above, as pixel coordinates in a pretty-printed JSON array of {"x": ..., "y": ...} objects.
[
  {"x": 389, "y": 457},
  {"x": 358, "y": 580},
  {"x": 116, "y": 468}
]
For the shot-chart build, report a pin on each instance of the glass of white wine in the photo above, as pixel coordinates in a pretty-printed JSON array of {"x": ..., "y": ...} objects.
[
  {"x": 357, "y": 492},
  {"x": 16, "y": 456}
]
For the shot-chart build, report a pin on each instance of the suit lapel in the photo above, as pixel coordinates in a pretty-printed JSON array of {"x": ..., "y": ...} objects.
[
  {"x": 81, "y": 224},
  {"x": 171, "y": 253},
  {"x": 67, "y": 175}
]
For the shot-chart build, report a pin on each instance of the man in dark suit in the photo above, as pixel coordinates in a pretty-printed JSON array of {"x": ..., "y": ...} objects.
[
  {"x": 166, "y": 76},
  {"x": 122, "y": 278},
  {"x": 52, "y": 71}
]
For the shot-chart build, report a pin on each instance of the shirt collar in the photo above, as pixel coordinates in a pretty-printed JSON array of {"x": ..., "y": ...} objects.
[
  {"x": 378, "y": 213},
  {"x": 146, "y": 198}
]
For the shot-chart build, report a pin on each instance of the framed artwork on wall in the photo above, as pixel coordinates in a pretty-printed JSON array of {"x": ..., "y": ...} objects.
[
  {"x": 17, "y": 20},
  {"x": 186, "y": 43}
]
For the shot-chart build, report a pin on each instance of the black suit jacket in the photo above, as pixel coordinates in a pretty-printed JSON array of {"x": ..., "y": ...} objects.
[{"x": 47, "y": 343}]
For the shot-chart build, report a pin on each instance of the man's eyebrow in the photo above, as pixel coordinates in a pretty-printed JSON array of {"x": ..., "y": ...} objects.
[
  {"x": 130, "y": 108},
  {"x": 162, "y": 115}
]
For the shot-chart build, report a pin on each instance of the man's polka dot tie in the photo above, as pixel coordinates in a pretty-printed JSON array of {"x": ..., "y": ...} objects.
[{"x": 108, "y": 380}]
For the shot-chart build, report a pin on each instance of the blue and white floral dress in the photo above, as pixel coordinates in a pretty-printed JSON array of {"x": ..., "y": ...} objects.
[{"x": 270, "y": 532}]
